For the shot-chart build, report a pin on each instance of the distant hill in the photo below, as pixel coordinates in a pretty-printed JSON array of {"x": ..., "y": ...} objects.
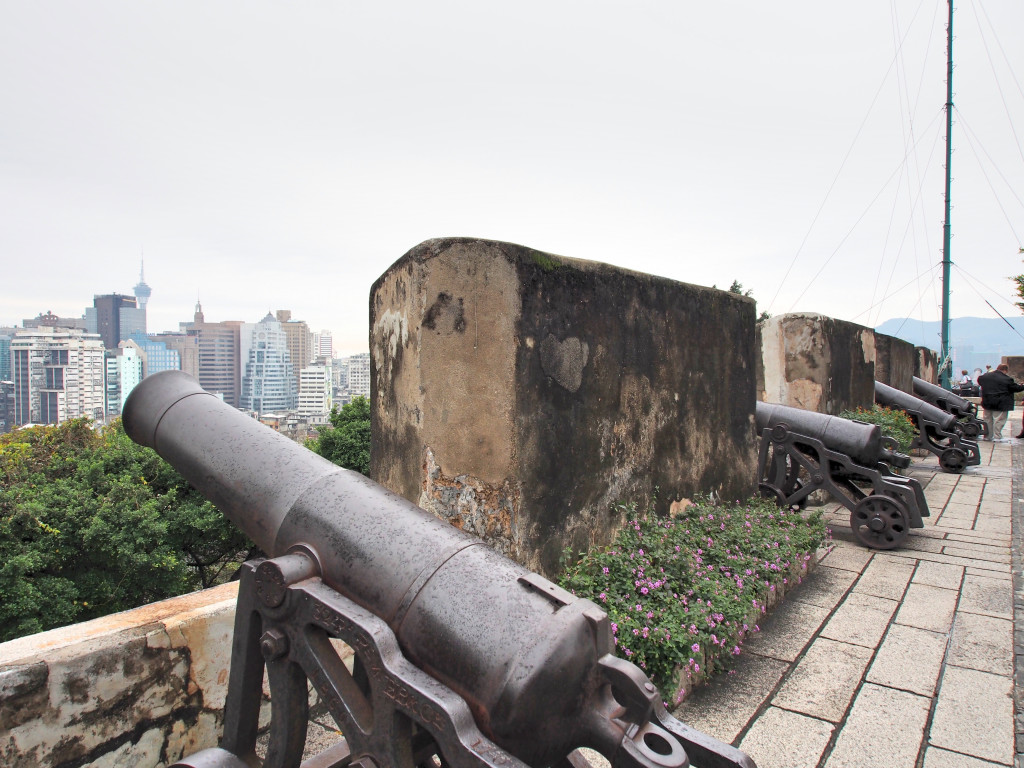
[{"x": 976, "y": 341}]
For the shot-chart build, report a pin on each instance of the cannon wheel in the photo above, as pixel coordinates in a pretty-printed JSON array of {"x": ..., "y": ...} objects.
[
  {"x": 880, "y": 522},
  {"x": 769, "y": 491},
  {"x": 971, "y": 430},
  {"x": 953, "y": 460}
]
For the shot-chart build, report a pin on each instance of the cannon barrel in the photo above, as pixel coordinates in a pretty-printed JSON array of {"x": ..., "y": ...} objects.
[
  {"x": 943, "y": 398},
  {"x": 861, "y": 442},
  {"x": 518, "y": 649},
  {"x": 895, "y": 398}
]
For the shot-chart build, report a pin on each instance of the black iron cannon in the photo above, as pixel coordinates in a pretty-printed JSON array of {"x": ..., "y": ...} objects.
[
  {"x": 803, "y": 451},
  {"x": 936, "y": 429},
  {"x": 967, "y": 422},
  {"x": 462, "y": 657}
]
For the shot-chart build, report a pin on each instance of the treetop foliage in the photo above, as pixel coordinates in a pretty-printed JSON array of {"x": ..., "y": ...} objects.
[
  {"x": 347, "y": 441},
  {"x": 92, "y": 523}
]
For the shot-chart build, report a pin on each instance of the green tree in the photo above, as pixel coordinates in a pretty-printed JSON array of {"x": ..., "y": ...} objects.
[
  {"x": 737, "y": 287},
  {"x": 91, "y": 524},
  {"x": 1019, "y": 282},
  {"x": 347, "y": 441}
]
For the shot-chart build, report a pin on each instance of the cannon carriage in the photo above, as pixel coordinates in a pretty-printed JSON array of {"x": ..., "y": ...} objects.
[
  {"x": 937, "y": 430},
  {"x": 968, "y": 424},
  {"x": 802, "y": 451}
]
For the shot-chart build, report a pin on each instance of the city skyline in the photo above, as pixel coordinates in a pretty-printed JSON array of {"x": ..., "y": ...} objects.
[{"x": 296, "y": 152}]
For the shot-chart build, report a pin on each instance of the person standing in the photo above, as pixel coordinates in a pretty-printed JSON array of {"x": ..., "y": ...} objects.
[{"x": 997, "y": 388}]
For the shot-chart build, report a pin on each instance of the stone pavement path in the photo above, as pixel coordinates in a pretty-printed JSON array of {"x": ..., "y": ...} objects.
[{"x": 899, "y": 659}]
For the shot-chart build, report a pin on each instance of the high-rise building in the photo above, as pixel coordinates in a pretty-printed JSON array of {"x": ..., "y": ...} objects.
[
  {"x": 50, "y": 320},
  {"x": 300, "y": 340},
  {"x": 6, "y": 335},
  {"x": 323, "y": 344},
  {"x": 187, "y": 347},
  {"x": 6, "y": 406},
  {"x": 131, "y": 369},
  {"x": 58, "y": 375},
  {"x": 219, "y": 345},
  {"x": 315, "y": 392},
  {"x": 269, "y": 384},
  {"x": 115, "y": 317},
  {"x": 359, "y": 375}
]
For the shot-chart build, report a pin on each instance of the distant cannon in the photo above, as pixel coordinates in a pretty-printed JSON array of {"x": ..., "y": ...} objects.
[
  {"x": 966, "y": 412},
  {"x": 803, "y": 451},
  {"x": 936, "y": 429},
  {"x": 462, "y": 657}
]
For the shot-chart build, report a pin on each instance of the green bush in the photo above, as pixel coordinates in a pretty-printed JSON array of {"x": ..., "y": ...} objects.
[
  {"x": 346, "y": 441},
  {"x": 894, "y": 423},
  {"x": 684, "y": 591}
]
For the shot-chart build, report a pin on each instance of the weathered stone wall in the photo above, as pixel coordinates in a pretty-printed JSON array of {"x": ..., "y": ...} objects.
[
  {"x": 895, "y": 360},
  {"x": 817, "y": 363},
  {"x": 926, "y": 365},
  {"x": 140, "y": 688},
  {"x": 521, "y": 395}
]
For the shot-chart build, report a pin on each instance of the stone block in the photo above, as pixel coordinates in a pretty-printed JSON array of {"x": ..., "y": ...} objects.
[
  {"x": 938, "y": 575},
  {"x": 974, "y": 715},
  {"x": 987, "y": 597},
  {"x": 926, "y": 364},
  {"x": 895, "y": 362},
  {"x": 885, "y": 577},
  {"x": 982, "y": 643},
  {"x": 786, "y": 630},
  {"x": 861, "y": 620},
  {"x": 817, "y": 363},
  {"x": 881, "y": 716},
  {"x": 928, "y": 607},
  {"x": 909, "y": 659},
  {"x": 825, "y": 587},
  {"x": 825, "y": 680},
  {"x": 522, "y": 396},
  {"x": 782, "y": 739}
]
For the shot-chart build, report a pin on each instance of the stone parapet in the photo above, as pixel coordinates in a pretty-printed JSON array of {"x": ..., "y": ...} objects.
[
  {"x": 816, "y": 363},
  {"x": 522, "y": 395},
  {"x": 926, "y": 364},
  {"x": 142, "y": 688},
  {"x": 895, "y": 362}
]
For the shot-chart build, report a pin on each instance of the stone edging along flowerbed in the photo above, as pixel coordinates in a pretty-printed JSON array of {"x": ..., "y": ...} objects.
[{"x": 683, "y": 592}]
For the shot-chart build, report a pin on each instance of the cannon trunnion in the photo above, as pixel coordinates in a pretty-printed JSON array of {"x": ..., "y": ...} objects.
[
  {"x": 462, "y": 657},
  {"x": 937, "y": 430},
  {"x": 803, "y": 451}
]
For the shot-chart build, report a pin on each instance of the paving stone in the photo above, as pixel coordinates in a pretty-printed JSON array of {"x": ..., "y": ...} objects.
[
  {"x": 966, "y": 562},
  {"x": 786, "y": 630},
  {"x": 824, "y": 587},
  {"x": 966, "y": 523},
  {"x": 975, "y": 553},
  {"x": 723, "y": 707},
  {"x": 824, "y": 681},
  {"x": 941, "y": 758},
  {"x": 885, "y": 577},
  {"x": 909, "y": 659},
  {"x": 994, "y": 525},
  {"x": 938, "y": 575},
  {"x": 927, "y": 607},
  {"x": 848, "y": 556},
  {"x": 982, "y": 643},
  {"x": 987, "y": 596},
  {"x": 974, "y": 715},
  {"x": 781, "y": 739},
  {"x": 966, "y": 511},
  {"x": 888, "y": 725},
  {"x": 1006, "y": 577},
  {"x": 861, "y": 620}
]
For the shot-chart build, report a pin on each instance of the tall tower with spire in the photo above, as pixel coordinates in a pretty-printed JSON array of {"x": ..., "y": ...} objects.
[{"x": 142, "y": 291}]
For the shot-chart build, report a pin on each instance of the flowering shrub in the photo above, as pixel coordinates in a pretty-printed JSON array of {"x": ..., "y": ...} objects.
[
  {"x": 682, "y": 593},
  {"x": 893, "y": 423}
]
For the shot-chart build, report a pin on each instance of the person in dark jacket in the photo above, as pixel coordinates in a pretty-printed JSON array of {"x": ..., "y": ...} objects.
[{"x": 997, "y": 388}]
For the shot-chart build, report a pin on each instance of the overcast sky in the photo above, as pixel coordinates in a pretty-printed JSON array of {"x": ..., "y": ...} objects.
[{"x": 267, "y": 156}]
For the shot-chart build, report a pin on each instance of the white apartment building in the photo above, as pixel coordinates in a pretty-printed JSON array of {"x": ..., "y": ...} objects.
[
  {"x": 359, "y": 375},
  {"x": 268, "y": 380},
  {"x": 315, "y": 392},
  {"x": 59, "y": 374}
]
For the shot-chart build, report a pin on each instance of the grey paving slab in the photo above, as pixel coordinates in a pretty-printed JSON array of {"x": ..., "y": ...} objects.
[
  {"x": 988, "y": 574},
  {"x": 781, "y": 739},
  {"x": 928, "y": 607},
  {"x": 973, "y": 553},
  {"x": 994, "y": 525},
  {"x": 885, "y": 727},
  {"x": 849, "y": 557},
  {"x": 966, "y": 523},
  {"x": 824, "y": 587},
  {"x": 987, "y": 538},
  {"x": 825, "y": 680},
  {"x": 949, "y": 559},
  {"x": 725, "y": 706},
  {"x": 909, "y": 659},
  {"x": 860, "y": 619},
  {"x": 982, "y": 643},
  {"x": 941, "y": 758},
  {"x": 885, "y": 577},
  {"x": 787, "y": 630},
  {"x": 987, "y": 596},
  {"x": 938, "y": 575},
  {"x": 974, "y": 715},
  {"x": 954, "y": 509}
]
